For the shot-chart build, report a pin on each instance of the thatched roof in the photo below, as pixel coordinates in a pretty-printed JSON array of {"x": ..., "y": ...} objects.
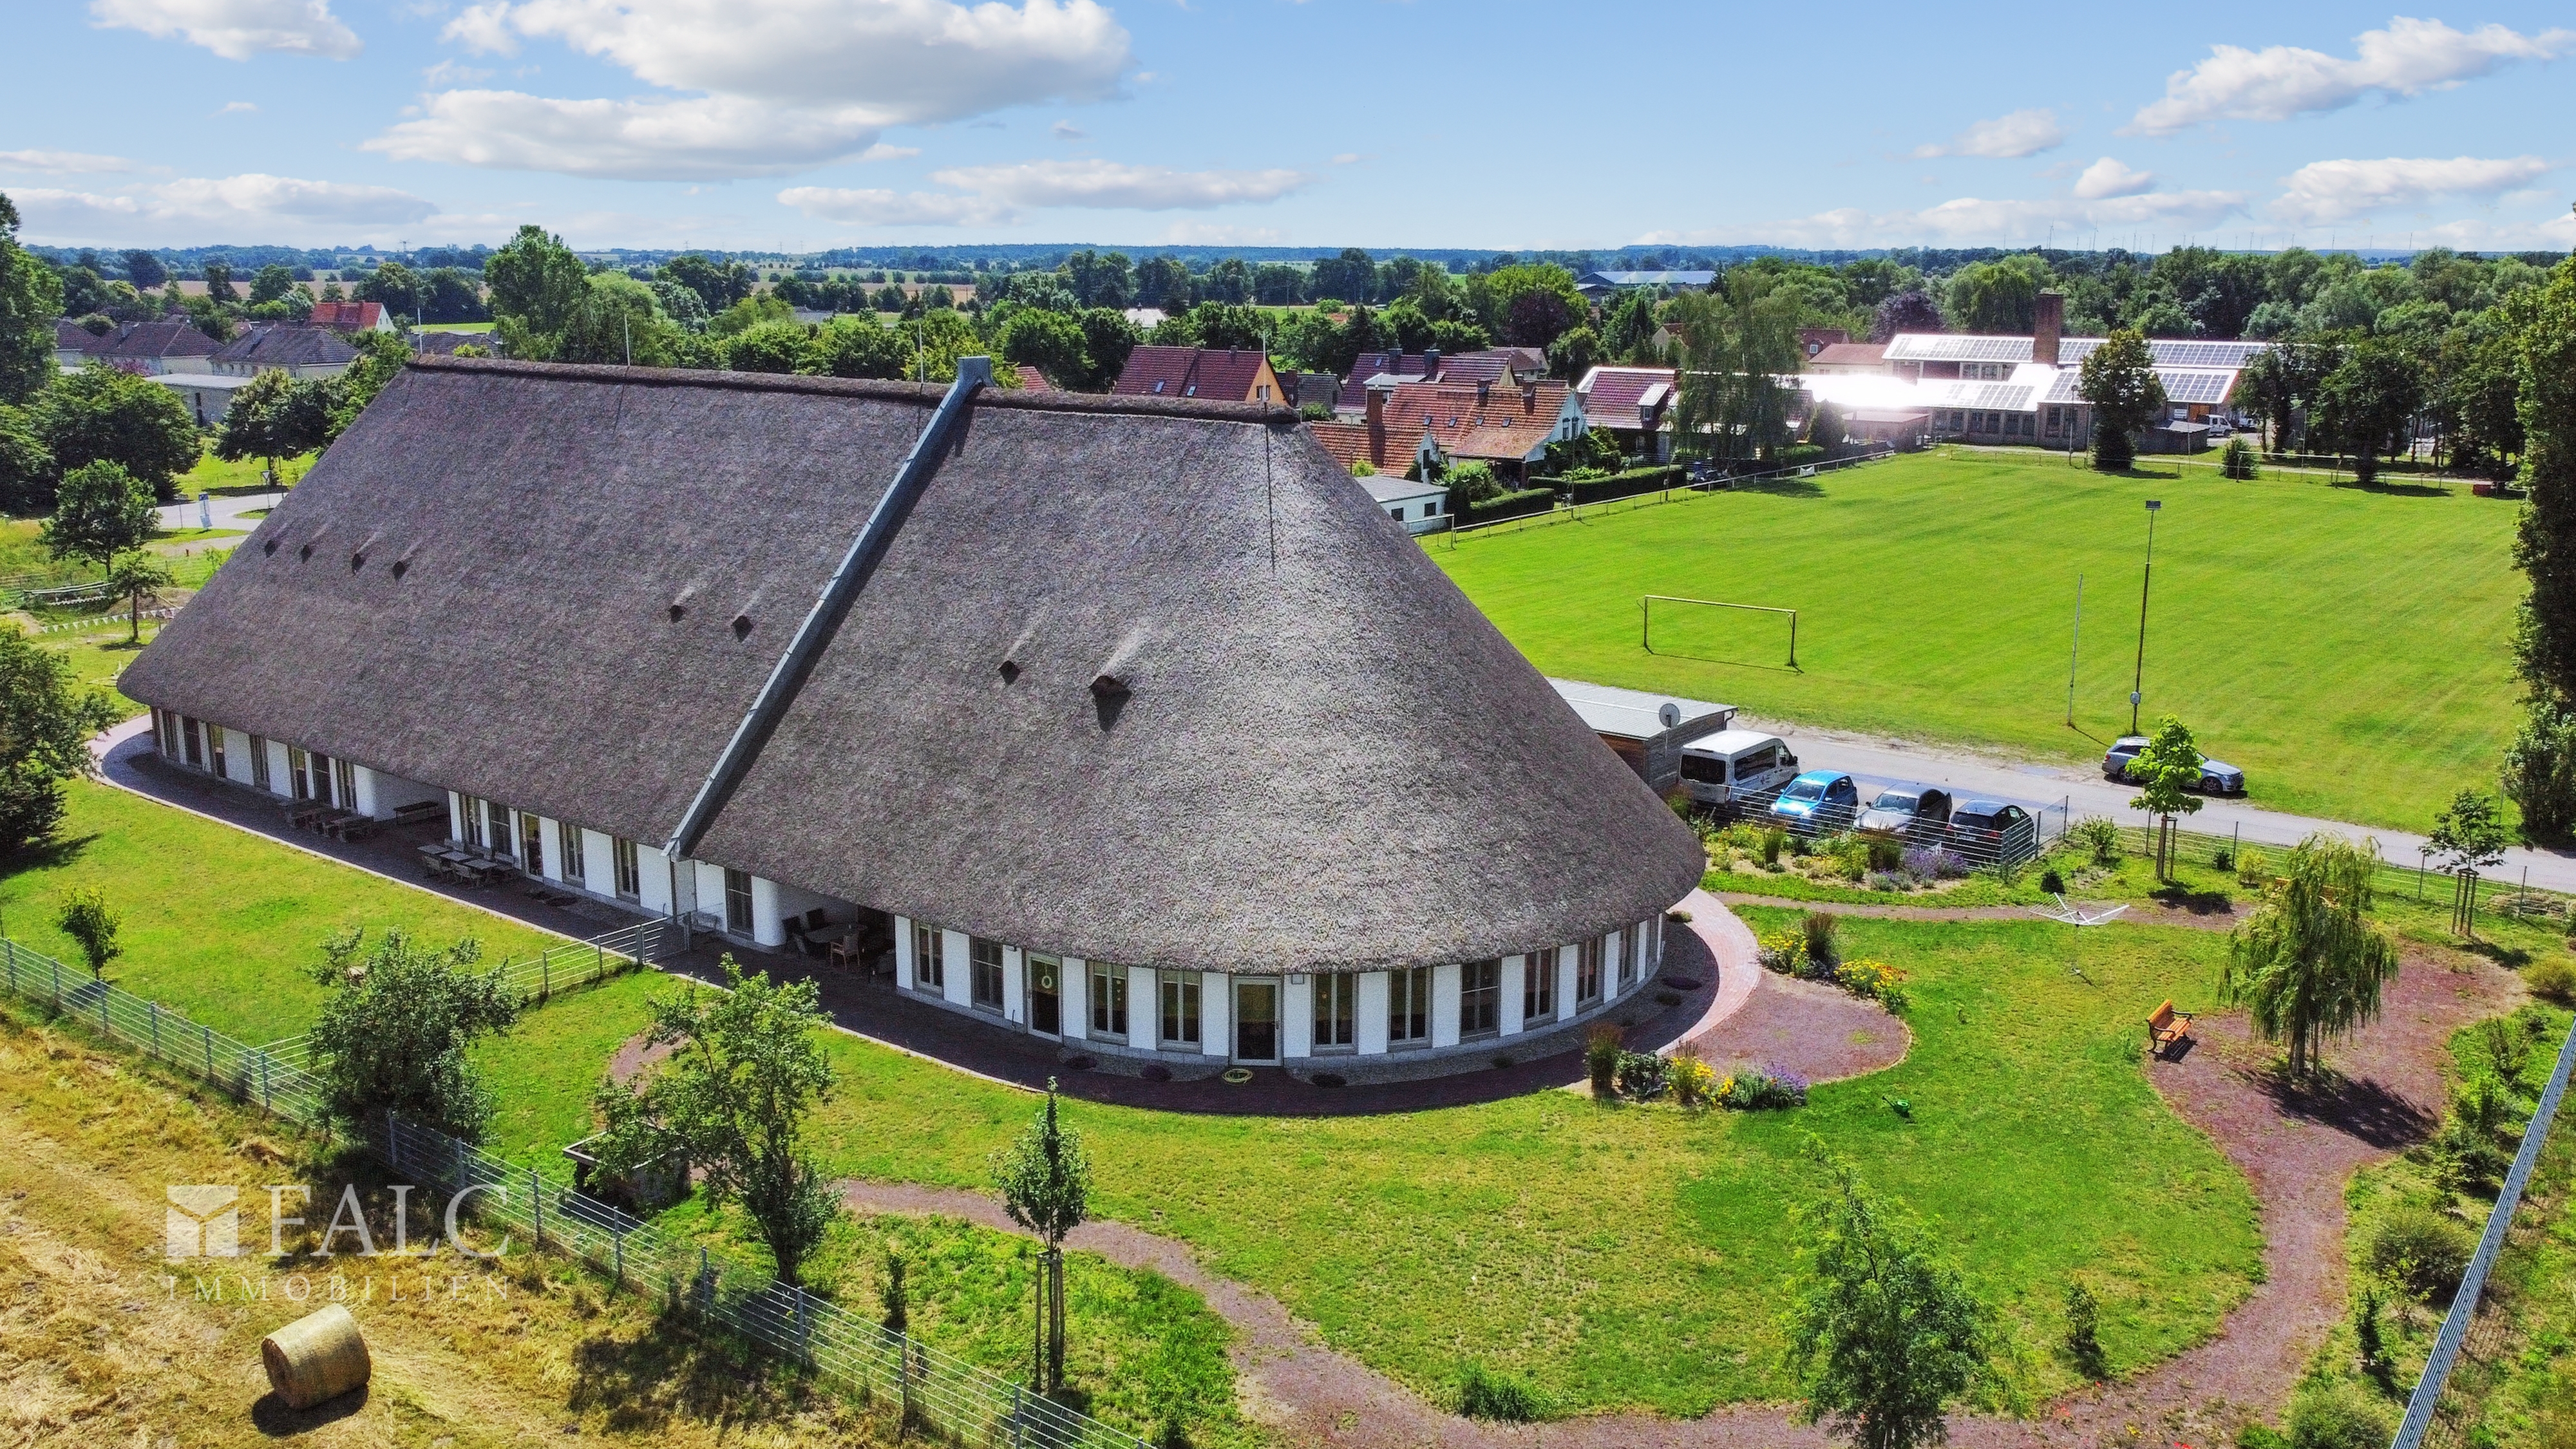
[{"x": 1085, "y": 704}]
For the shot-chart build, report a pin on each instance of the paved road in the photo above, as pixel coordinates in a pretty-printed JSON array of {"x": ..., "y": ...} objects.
[
  {"x": 2085, "y": 792},
  {"x": 225, "y": 509}
]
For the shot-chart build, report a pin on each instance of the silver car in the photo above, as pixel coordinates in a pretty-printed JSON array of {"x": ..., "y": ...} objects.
[{"x": 1902, "y": 810}]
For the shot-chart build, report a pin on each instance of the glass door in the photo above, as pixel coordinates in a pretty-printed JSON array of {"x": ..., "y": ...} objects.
[
  {"x": 1256, "y": 1021},
  {"x": 1046, "y": 1010}
]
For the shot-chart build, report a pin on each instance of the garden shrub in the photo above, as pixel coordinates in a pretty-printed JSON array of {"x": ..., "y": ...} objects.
[
  {"x": 1641, "y": 1075},
  {"x": 2473, "y": 1149},
  {"x": 2051, "y": 882},
  {"x": 2100, "y": 835},
  {"x": 2420, "y": 1250},
  {"x": 1747, "y": 1090},
  {"x": 1818, "y": 928},
  {"x": 1504, "y": 1398},
  {"x": 2338, "y": 1415},
  {"x": 1784, "y": 951},
  {"x": 1774, "y": 840},
  {"x": 1601, "y": 1053},
  {"x": 1509, "y": 505},
  {"x": 1884, "y": 854},
  {"x": 1887, "y": 880},
  {"x": 1873, "y": 981},
  {"x": 2222, "y": 859},
  {"x": 2083, "y": 1332},
  {"x": 2553, "y": 980},
  {"x": 2237, "y": 460},
  {"x": 1692, "y": 1081},
  {"x": 2252, "y": 868},
  {"x": 1936, "y": 863},
  {"x": 2260, "y": 1436},
  {"x": 1799, "y": 455}
]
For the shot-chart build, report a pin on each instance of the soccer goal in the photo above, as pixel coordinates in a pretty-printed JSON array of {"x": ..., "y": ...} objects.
[{"x": 1713, "y": 628}]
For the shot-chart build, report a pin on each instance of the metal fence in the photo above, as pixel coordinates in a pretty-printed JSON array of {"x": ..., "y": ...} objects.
[
  {"x": 2414, "y": 879},
  {"x": 2014, "y": 840},
  {"x": 2438, "y": 1413},
  {"x": 956, "y": 1399}
]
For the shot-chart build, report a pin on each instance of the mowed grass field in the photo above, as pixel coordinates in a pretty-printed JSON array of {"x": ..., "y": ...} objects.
[{"x": 2348, "y": 649}]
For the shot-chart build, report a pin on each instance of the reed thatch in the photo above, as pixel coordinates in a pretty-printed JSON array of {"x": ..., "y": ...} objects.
[{"x": 1138, "y": 680}]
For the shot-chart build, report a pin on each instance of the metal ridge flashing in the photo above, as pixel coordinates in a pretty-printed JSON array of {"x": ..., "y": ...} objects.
[{"x": 824, "y": 619}]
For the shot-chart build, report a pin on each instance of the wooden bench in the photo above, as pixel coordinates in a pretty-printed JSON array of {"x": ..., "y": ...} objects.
[{"x": 2167, "y": 1030}]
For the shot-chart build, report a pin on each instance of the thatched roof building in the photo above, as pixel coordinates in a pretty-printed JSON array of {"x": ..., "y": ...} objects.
[{"x": 1136, "y": 681}]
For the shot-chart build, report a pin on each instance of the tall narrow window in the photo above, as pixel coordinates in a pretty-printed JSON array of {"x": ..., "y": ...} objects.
[
  {"x": 986, "y": 957},
  {"x": 737, "y": 900},
  {"x": 1641, "y": 945},
  {"x": 1627, "y": 968},
  {"x": 496, "y": 826},
  {"x": 532, "y": 844},
  {"x": 344, "y": 786},
  {"x": 1108, "y": 1001},
  {"x": 189, "y": 733},
  {"x": 1480, "y": 998},
  {"x": 215, "y": 750},
  {"x": 1180, "y": 1008},
  {"x": 258, "y": 762},
  {"x": 1587, "y": 974},
  {"x": 299, "y": 779},
  {"x": 576, "y": 870},
  {"x": 1408, "y": 1005},
  {"x": 1538, "y": 986},
  {"x": 165, "y": 733},
  {"x": 1336, "y": 1010},
  {"x": 929, "y": 961},
  {"x": 630, "y": 878},
  {"x": 321, "y": 772}
]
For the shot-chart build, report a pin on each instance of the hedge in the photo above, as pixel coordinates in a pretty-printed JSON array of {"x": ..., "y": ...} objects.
[
  {"x": 1511, "y": 505},
  {"x": 1624, "y": 485}
]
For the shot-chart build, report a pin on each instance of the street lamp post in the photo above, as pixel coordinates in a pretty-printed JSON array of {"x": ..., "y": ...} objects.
[{"x": 2137, "y": 680}]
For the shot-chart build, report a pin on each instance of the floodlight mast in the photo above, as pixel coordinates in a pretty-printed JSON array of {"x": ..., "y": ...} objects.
[{"x": 2137, "y": 680}]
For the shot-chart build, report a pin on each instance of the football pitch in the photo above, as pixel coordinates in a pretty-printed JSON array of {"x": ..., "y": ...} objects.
[{"x": 2349, "y": 649}]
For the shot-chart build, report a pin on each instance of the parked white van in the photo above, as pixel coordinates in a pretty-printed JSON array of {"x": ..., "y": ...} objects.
[{"x": 1721, "y": 768}]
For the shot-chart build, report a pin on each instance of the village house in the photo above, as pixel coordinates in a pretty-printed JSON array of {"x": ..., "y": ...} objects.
[
  {"x": 1635, "y": 404},
  {"x": 1503, "y": 424},
  {"x": 1085, "y": 703},
  {"x": 352, "y": 317},
  {"x": 170, "y": 345},
  {"x": 1215, "y": 374},
  {"x": 300, "y": 350}
]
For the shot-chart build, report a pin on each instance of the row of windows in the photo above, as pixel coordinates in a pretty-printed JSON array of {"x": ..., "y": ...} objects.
[
  {"x": 2009, "y": 425},
  {"x": 487, "y": 825},
  {"x": 1335, "y": 996},
  {"x": 309, "y": 775}
]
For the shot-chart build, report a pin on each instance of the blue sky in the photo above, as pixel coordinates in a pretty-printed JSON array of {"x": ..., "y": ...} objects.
[{"x": 802, "y": 124}]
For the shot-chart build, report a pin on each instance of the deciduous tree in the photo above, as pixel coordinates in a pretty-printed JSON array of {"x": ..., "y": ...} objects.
[
  {"x": 536, "y": 283},
  {"x": 31, "y": 297},
  {"x": 2368, "y": 403},
  {"x": 2468, "y": 836},
  {"x": 1739, "y": 341},
  {"x": 2119, "y": 379},
  {"x": 100, "y": 512},
  {"x": 1045, "y": 1181},
  {"x": 83, "y": 914},
  {"x": 732, "y": 1098},
  {"x": 2165, "y": 771},
  {"x": 396, "y": 1032},
  {"x": 101, "y": 415},
  {"x": 45, "y": 726},
  {"x": 135, "y": 577},
  {"x": 1885, "y": 1332},
  {"x": 275, "y": 416},
  {"x": 2309, "y": 963},
  {"x": 858, "y": 346}
]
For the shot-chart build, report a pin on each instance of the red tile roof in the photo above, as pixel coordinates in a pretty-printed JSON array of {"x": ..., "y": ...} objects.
[
  {"x": 1385, "y": 448},
  {"x": 1623, "y": 397},
  {"x": 1032, "y": 380},
  {"x": 348, "y": 316},
  {"x": 1223, "y": 375},
  {"x": 1498, "y": 422},
  {"x": 1369, "y": 364}
]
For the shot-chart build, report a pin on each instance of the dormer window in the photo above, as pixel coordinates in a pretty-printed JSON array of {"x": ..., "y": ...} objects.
[{"x": 1158, "y": 386}]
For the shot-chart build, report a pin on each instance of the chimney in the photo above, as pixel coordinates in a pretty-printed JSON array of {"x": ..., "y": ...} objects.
[
  {"x": 1376, "y": 410},
  {"x": 1484, "y": 392},
  {"x": 1430, "y": 364},
  {"x": 1529, "y": 391},
  {"x": 2047, "y": 321}
]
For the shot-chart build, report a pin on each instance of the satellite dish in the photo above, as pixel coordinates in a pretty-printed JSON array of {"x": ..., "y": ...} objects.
[{"x": 1670, "y": 714}]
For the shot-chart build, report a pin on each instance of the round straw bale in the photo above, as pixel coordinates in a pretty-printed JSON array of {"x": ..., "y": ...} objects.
[{"x": 319, "y": 1356}]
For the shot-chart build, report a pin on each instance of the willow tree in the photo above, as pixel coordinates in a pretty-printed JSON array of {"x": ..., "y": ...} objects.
[
  {"x": 2310, "y": 963},
  {"x": 1739, "y": 349}
]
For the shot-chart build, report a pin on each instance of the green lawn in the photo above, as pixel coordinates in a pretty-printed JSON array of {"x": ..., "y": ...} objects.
[
  {"x": 220, "y": 923},
  {"x": 1641, "y": 1256},
  {"x": 214, "y": 475},
  {"x": 2348, "y": 649}
]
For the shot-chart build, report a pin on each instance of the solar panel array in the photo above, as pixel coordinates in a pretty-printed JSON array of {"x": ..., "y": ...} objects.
[
  {"x": 2005, "y": 396},
  {"x": 2194, "y": 386},
  {"x": 2206, "y": 354},
  {"x": 1943, "y": 347}
]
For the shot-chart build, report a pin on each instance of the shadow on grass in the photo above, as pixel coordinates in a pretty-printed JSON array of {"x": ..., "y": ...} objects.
[
  {"x": 2398, "y": 490},
  {"x": 2362, "y": 1109},
  {"x": 2195, "y": 902},
  {"x": 272, "y": 1416},
  {"x": 666, "y": 1371},
  {"x": 1784, "y": 487},
  {"x": 44, "y": 855},
  {"x": 1729, "y": 663},
  {"x": 2512, "y": 958}
]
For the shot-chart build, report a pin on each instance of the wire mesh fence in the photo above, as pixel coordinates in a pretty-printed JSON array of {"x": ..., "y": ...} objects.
[
  {"x": 2443, "y": 1410},
  {"x": 2417, "y": 879},
  {"x": 958, "y": 1400}
]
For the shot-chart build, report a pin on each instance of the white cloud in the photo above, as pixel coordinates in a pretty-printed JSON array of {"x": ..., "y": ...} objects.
[
  {"x": 449, "y": 73},
  {"x": 229, "y": 208},
  {"x": 699, "y": 139},
  {"x": 883, "y": 152},
  {"x": 1971, "y": 221},
  {"x": 2107, "y": 177},
  {"x": 1068, "y": 131},
  {"x": 1110, "y": 184},
  {"x": 770, "y": 88},
  {"x": 236, "y": 108},
  {"x": 2332, "y": 191},
  {"x": 2277, "y": 82},
  {"x": 236, "y": 29},
  {"x": 2023, "y": 133},
  {"x": 2554, "y": 232},
  {"x": 1347, "y": 158},
  {"x": 62, "y": 163},
  {"x": 895, "y": 208}
]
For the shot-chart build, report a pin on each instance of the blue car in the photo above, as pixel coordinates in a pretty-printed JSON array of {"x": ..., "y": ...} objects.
[{"x": 1819, "y": 802}]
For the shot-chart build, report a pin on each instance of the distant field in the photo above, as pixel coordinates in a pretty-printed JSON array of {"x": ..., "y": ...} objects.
[{"x": 2348, "y": 649}]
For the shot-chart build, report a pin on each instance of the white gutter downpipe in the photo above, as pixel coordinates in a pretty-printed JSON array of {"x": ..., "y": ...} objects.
[{"x": 824, "y": 620}]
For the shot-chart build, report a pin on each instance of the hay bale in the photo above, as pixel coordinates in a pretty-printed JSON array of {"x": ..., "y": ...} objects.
[{"x": 319, "y": 1356}]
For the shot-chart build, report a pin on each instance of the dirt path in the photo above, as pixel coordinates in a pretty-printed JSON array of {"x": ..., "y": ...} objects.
[
  {"x": 2138, "y": 914},
  {"x": 2296, "y": 1149}
]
